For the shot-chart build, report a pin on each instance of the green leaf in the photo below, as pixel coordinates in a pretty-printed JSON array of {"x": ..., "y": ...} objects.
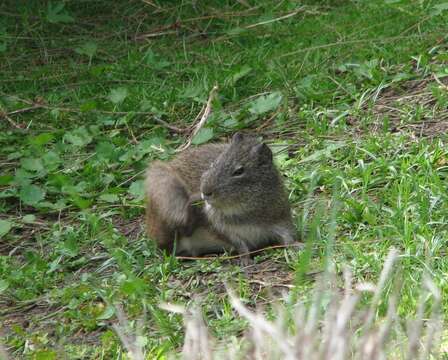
[
  {"x": 203, "y": 135},
  {"x": 57, "y": 14},
  {"x": 42, "y": 139},
  {"x": 89, "y": 49},
  {"x": 22, "y": 177},
  {"x": 31, "y": 194},
  {"x": 134, "y": 286},
  {"x": 51, "y": 160},
  {"x": 324, "y": 153},
  {"x": 265, "y": 103},
  {"x": 111, "y": 198},
  {"x": 88, "y": 106},
  {"x": 78, "y": 137},
  {"x": 137, "y": 189},
  {"x": 32, "y": 164},
  {"x": 3, "y": 285},
  {"x": 439, "y": 9},
  {"x": 118, "y": 95},
  {"x": 6, "y": 179},
  {"x": 106, "y": 151},
  {"x": 107, "y": 313},
  {"x": 5, "y": 227},
  {"x": 44, "y": 355},
  {"x": 29, "y": 219},
  {"x": 155, "y": 61},
  {"x": 69, "y": 247},
  {"x": 81, "y": 202},
  {"x": 245, "y": 70}
]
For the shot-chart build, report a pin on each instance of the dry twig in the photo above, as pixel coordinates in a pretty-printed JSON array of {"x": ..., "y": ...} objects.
[{"x": 203, "y": 114}]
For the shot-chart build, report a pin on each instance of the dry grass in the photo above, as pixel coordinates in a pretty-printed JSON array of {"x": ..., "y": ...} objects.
[{"x": 337, "y": 324}]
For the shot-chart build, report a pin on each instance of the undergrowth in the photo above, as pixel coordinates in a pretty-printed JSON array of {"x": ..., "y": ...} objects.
[{"x": 351, "y": 95}]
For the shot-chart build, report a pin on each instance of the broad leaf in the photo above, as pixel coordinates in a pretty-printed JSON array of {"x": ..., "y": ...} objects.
[
  {"x": 78, "y": 137},
  {"x": 57, "y": 14},
  {"x": 31, "y": 194},
  {"x": 89, "y": 49},
  {"x": 111, "y": 198},
  {"x": 137, "y": 189},
  {"x": 32, "y": 164},
  {"x": 5, "y": 227},
  {"x": 266, "y": 103},
  {"x": 118, "y": 95},
  {"x": 203, "y": 135}
]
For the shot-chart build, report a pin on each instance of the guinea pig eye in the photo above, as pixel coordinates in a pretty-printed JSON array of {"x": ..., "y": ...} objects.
[{"x": 238, "y": 171}]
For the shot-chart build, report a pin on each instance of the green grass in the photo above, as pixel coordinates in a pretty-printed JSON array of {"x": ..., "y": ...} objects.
[{"x": 101, "y": 77}]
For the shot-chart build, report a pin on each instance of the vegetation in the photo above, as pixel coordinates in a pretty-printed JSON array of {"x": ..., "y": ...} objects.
[{"x": 352, "y": 95}]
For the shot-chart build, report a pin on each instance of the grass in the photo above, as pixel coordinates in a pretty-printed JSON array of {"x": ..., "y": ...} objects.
[{"x": 350, "y": 94}]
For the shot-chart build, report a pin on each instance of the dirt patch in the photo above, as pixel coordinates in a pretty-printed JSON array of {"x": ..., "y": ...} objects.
[
  {"x": 267, "y": 279},
  {"x": 132, "y": 229}
]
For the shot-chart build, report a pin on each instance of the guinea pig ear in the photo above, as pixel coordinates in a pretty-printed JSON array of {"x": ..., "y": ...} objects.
[
  {"x": 263, "y": 153},
  {"x": 237, "y": 137}
]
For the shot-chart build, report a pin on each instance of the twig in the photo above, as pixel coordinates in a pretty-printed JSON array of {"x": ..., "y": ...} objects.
[
  {"x": 11, "y": 121},
  {"x": 299, "y": 245},
  {"x": 20, "y": 111},
  {"x": 131, "y": 178},
  {"x": 204, "y": 116},
  {"x": 270, "y": 285},
  {"x": 277, "y": 19},
  {"x": 358, "y": 41},
  {"x": 442, "y": 85}
]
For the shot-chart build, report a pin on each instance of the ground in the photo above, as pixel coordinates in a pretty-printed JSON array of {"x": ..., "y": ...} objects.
[{"x": 351, "y": 95}]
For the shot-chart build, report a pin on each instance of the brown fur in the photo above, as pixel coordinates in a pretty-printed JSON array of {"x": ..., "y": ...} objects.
[
  {"x": 171, "y": 190},
  {"x": 245, "y": 207}
]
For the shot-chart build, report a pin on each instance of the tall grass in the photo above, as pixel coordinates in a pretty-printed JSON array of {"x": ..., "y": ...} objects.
[{"x": 339, "y": 323}]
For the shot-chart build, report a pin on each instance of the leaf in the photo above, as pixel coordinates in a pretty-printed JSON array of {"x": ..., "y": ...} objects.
[
  {"x": 6, "y": 179},
  {"x": 57, "y": 14},
  {"x": 5, "y": 227},
  {"x": 42, "y": 139},
  {"x": 3, "y": 285},
  {"x": 137, "y": 189},
  {"x": 89, "y": 49},
  {"x": 69, "y": 247},
  {"x": 439, "y": 9},
  {"x": 31, "y": 194},
  {"x": 266, "y": 103},
  {"x": 324, "y": 153},
  {"x": 88, "y": 106},
  {"x": 32, "y": 164},
  {"x": 78, "y": 137},
  {"x": 44, "y": 355},
  {"x": 51, "y": 160},
  {"x": 106, "y": 151},
  {"x": 107, "y": 313},
  {"x": 245, "y": 70},
  {"x": 203, "y": 135},
  {"x": 110, "y": 198},
  {"x": 29, "y": 219},
  {"x": 118, "y": 95},
  {"x": 156, "y": 61},
  {"x": 134, "y": 286}
]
